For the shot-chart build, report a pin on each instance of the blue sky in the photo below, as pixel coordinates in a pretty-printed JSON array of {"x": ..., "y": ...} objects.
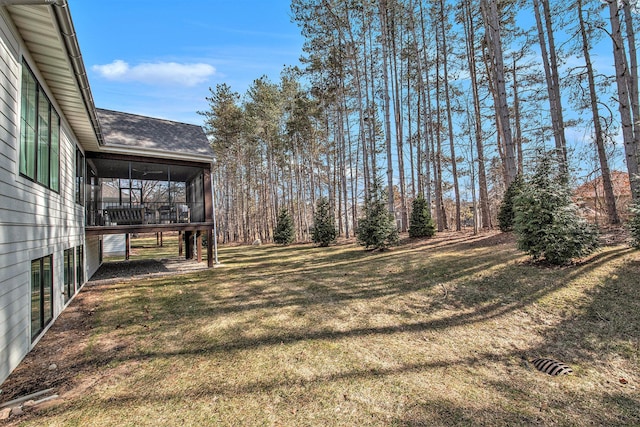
[{"x": 159, "y": 57}]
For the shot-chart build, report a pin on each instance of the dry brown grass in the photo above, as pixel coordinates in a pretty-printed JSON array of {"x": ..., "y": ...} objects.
[{"x": 433, "y": 332}]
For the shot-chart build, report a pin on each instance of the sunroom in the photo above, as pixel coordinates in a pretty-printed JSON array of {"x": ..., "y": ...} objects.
[{"x": 151, "y": 175}]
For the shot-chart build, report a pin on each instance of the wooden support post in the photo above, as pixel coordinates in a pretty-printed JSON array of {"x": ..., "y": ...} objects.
[
  {"x": 161, "y": 243},
  {"x": 180, "y": 237},
  {"x": 157, "y": 239},
  {"x": 199, "y": 245},
  {"x": 127, "y": 244},
  {"x": 210, "y": 248},
  {"x": 188, "y": 245}
]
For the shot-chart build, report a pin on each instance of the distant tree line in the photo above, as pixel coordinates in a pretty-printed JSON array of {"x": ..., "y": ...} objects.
[{"x": 446, "y": 101}]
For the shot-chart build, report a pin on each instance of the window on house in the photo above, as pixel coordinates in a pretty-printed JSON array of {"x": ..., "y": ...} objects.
[
  {"x": 39, "y": 134},
  {"x": 79, "y": 265},
  {"x": 28, "y": 124},
  {"x": 42, "y": 161},
  {"x": 69, "y": 274},
  {"x": 54, "y": 157},
  {"x": 80, "y": 168},
  {"x": 41, "y": 294}
]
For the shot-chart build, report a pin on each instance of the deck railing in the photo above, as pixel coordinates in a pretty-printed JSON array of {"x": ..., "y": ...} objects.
[{"x": 111, "y": 214}]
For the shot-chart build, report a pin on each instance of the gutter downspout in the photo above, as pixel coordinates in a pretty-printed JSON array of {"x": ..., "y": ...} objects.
[
  {"x": 63, "y": 17},
  {"x": 26, "y": 2},
  {"x": 65, "y": 24},
  {"x": 213, "y": 205}
]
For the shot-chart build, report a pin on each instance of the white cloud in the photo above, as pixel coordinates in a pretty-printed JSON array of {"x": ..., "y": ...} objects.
[
  {"x": 158, "y": 73},
  {"x": 116, "y": 70}
]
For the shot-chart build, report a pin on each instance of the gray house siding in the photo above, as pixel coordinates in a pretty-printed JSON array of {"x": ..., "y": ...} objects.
[
  {"x": 34, "y": 221},
  {"x": 115, "y": 245},
  {"x": 92, "y": 255},
  {"x": 39, "y": 226}
]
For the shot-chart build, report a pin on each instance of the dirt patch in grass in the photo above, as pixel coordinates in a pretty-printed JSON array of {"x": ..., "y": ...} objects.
[
  {"x": 136, "y": 269},
  {"x": 68, "y": 358},
  {"x": 61, "y": 354},
  {"x": 434, "y": 332}
]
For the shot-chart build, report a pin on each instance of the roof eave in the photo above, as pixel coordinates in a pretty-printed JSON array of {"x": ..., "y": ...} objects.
[
  {"x": 49, "y": 35},
  {"x": 161, "y": 154},
  {"x": 65, "y": 24}
]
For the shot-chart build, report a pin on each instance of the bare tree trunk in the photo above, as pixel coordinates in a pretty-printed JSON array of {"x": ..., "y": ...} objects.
[
  {"x": 550, "y": 62},
  {"x": 517, "y": 120},
  {"x": 370, "y": 90},
  {"x": 632, "y": 77},
  {"x": 404, "y": 219},
  {"x": 343, "y": 169},
  {"x": 336, "y": 183},
  {"x": 426, "y": 99},
  {"x": 362, "y": 101},
  {"x": 396, "y": 95},
  {"x": 494, "y": 42},
  {"x": 353, "y": 181},
  {"x": 437, "y": 178},
  {"x": 609, "y": 197},
  {"x": 623, "y": 85},
  {"x": 410, "y": 133},
  {"x": 387, "y": 101},
  {"x": 441, "y": 217},
  {"x": 419, "y": 144},
  {"x": 473, "y": 188},
  {"x": 447, "y": 95},
  {"x": 485, "y": 214}
]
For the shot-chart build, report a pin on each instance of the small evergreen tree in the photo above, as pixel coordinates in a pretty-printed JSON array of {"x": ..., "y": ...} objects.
[
  {"x": 547, "y": 222},
  {"x": 421, "y": 223},
  {"x": 506, "y": 215},
  {"x": 324, "y": 224},
  {"x": 377, "y": 228},
  {"x": 284, "y": 233}
]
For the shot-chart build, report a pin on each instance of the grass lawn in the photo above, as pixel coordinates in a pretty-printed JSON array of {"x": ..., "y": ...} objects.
[{"x": 433, "y": 332}]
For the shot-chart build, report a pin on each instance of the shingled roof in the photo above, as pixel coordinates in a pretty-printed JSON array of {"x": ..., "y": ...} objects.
[
  {"x": 595, "y": 187},
  {"x": 148, "y": 133}
]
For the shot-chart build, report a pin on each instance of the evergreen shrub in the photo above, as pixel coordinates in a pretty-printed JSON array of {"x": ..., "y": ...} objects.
[
  {"x": 324, "y": 224},
  {"x": 547, "y": 223},
  {"x": 506, "y": 214},
  {"x": 421, "y": 224},
  {"x": 284, "y": 233},
  {"x": 377, "y": 228}
]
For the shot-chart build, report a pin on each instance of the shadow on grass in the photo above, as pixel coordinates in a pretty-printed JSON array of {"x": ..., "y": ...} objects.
[
  {"x": 464, "y": 281},
  {"x": 501, "y": 292},
  {"x": 607, "y": 319},
  {"x": 421, "y": 410},
  {"x": 442, "y": 412},
  {"x": 604, "y": 335},
  {"x": 321, "y": 282}
]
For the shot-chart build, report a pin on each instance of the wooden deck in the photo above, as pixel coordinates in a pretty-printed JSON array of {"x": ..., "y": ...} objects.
[{"x": 98, "y": 230}]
